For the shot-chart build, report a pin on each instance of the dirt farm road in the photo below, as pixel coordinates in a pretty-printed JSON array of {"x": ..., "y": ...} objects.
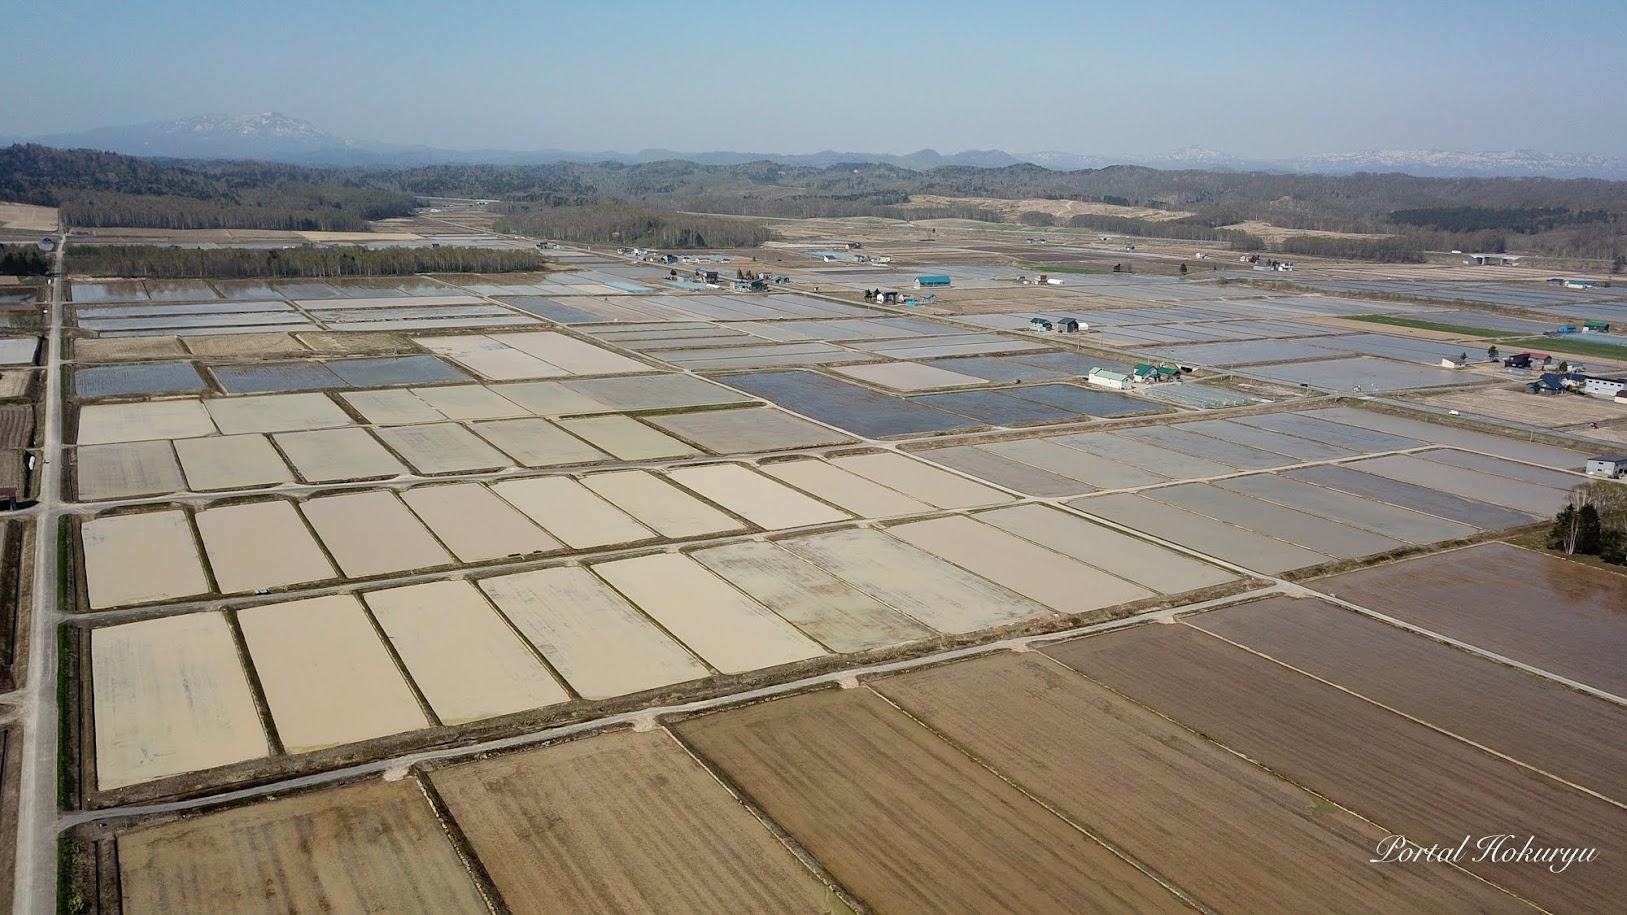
[{"x": 35, "y": 889}]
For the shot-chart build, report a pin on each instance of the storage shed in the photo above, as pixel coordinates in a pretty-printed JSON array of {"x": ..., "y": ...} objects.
[
  {"x": 1106, "y": 379},
  {"x": 927, "y": 282},
  {"x": 1603, "y": 387},
  {"x": 1613, "y": 466}
]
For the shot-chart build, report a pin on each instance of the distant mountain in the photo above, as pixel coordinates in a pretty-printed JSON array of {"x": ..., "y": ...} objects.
[
  {"x": 211, "y": 136},
  {"x": 279, "y": 138},
  {"x": 1443, "y": 163}
]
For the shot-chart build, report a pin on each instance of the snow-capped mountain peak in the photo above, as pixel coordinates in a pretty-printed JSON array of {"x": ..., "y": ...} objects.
[{"x": 269, "y": 125}]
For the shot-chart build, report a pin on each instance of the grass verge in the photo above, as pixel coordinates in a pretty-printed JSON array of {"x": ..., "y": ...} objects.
[
  {"x": 1459, "y": 329},
  {"x": 1538, "y": 541},
  {"x": 1567, "y": 345},
  {"x": 1057, "y": 268},
  {"x": 69, "y": 901},
  {"x": 67, "y": 660}
]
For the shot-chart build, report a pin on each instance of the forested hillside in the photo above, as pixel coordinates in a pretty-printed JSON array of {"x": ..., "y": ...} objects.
[
  {"x": 102, "y": 189},
  {"x": 332, "y": 261},
  {"x": 644, "y": 203}
]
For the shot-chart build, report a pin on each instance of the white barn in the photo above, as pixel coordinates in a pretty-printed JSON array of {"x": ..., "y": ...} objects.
[
  {"x": 1613, "y": 466},
  {"x": 1603, "y": 387}
]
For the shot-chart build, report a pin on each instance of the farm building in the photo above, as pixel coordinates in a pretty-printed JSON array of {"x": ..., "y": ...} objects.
[
  {"x": 1604, "y": 387},
  {"x": 1041, "y": 324},
  {"x": 1555, "y": 382},
  {"x": 1526, "y": 360},
  {"x": 928, "y": 282},
  {"x": 1067, "y": 326},
  {"x": 1146, "y": 372},
  {"x": 1106, "y": 379},
  {"x": 1613, "y": 466},
  {"x": 1497, "y": 260},
  {"x": 1596, "y": 327}
]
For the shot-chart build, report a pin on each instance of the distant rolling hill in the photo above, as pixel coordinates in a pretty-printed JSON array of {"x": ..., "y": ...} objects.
[{"x": 279, "y": 138}]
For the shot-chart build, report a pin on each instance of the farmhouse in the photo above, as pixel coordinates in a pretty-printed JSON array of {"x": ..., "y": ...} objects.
[{"x": 1147, "y": 372}]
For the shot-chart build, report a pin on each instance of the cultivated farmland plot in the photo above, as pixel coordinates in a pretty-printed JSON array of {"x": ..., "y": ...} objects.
[
  {"x": 231, "y": 462},
  {"x": 1167, "y": 797},
  {"x": 728, "y": 630},
  {"x": 1414, "y": 780},
  {"x": 171, "y": 697},
  {"x": 458, "y": 651},
  {"x": 140, "y": 558},
  {"x": 825, "y": 607},
  {"x": 308, "y": 651},
  {"x": 1533, "y": 608},
  {"x": 1575, "y": 736},
  {"x": 260, "y": 545},
  {"x": 638, "y": 825},
  {"x": 370, "y": 847},
  {"x": 597, "y": 641},
  {"x": 123, "y": 470},
  {"x": 906, "y": 821}
]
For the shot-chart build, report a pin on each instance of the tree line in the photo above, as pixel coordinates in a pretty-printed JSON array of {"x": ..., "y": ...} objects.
[
  {"x": 1387, "y": 250},
  {"x": 633, "y": 225},
  {"x": 336, "y": 261},
  {"x": 314, "y": 209},
  {"x": 1521, "y": 220},
  {"x": 807, "y": 206},
  {"x": 1152, "y": 228},
  {"x": 23, "y": 260},
  {"x": 1593, "y": 522}
]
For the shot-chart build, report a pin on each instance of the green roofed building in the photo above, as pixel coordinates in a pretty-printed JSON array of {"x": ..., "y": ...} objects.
[{"x": 1106, "y": 379}]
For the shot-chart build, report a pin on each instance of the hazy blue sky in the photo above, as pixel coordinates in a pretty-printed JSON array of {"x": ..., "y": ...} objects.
[{"x": 1261, "y": 79}]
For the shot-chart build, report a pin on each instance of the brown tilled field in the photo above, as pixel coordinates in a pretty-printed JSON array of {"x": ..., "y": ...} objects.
[
  {"x": 108, "y": 349},
  {"x": 355, "y": 343},
  {"x": 1062, "y": 208},
  {"x": 244, "y": 345},
  {"x": 904, "y": 820},
  {"x": 1541, "y": 610},
  {"x": 1537, "y": 410},
  {"x": 16, "y": 425},
  {"x": 14, "y": 383},
  {"x": 623, "y": 822},
  {"x": 1575, "y": 736},
  {"x": 1235, "y": 837},
  {"x": 369, "y": 847},
  {"x": 1404, "y": 777},
  {"x": 25, "y": 217}
]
